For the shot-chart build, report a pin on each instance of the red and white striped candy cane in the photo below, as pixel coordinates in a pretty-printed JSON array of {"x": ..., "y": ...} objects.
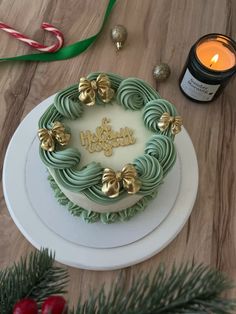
[{"x": 32, "y": 43}]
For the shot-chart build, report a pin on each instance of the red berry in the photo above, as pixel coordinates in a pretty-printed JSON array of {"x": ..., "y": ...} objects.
[
  {"x": 54, "y": 305},
  {"x": 25, "y": 306}
]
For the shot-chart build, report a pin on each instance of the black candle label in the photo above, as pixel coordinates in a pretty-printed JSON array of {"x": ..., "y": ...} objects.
[{"x": 197, "y": 89}]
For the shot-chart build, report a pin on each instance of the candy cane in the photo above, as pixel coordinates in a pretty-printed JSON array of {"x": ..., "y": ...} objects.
[{"x": 32, "y": 43}]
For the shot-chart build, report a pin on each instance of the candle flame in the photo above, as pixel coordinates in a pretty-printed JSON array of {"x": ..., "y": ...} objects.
[{"x": 215, "y": 58}]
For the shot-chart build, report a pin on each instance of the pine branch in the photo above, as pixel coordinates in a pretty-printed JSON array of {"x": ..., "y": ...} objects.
[
  {"x": 34, "y": 277},
  {"x": 187, "y": 289}
]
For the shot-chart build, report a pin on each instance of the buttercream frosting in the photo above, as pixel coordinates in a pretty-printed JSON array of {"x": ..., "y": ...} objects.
[
  {"x": 68, "y": 104},
  {"x": 152, "y": 165},
  {"x": 90, "y": 216}
]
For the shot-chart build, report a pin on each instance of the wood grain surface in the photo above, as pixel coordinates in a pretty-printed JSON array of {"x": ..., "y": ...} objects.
[{"x": 159, "y": 31}]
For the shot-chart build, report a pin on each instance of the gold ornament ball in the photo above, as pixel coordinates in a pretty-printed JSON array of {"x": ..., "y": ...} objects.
[
  {"x": 119, "y": 35},
  {"x": 161, "y": 72}
]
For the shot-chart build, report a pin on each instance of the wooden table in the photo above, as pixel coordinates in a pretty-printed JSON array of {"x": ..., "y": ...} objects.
[{"x": 159, "y": 31}]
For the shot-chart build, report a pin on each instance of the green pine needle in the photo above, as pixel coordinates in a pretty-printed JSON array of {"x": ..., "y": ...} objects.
[
  {"x": 187, "y": 289},
  {"x": 33, "y": 277}
]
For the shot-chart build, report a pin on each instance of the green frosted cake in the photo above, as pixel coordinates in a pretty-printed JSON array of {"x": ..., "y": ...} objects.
[{"x": 107, "y": 143}]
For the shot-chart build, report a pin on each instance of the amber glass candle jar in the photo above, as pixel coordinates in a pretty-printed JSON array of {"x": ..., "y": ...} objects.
[{"x": 211, "y": 63}]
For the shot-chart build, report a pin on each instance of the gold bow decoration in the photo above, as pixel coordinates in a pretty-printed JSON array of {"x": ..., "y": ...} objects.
[
  {"x": 167, "y": 120},
  {"x": 88, "y": 89},
  {"x": 48, "y": 138},
  {"x": 113, "y": 181}
]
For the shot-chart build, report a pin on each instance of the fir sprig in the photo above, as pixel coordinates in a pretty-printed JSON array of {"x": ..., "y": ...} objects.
[
  {"x": 34, "y": 277},
  {"x": 187, "y": 289}
]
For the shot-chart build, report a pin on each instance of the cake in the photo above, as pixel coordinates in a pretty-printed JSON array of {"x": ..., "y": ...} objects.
[{"x": 108, "y": 143}]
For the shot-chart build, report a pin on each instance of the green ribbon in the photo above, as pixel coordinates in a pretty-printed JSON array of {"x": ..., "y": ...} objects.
[{"x": 66, "y": 52}]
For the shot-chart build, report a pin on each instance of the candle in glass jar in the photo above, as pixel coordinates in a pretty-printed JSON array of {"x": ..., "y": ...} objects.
[
  {"x": 211, "y": 63},
  {"x": 215, "y": 55}
]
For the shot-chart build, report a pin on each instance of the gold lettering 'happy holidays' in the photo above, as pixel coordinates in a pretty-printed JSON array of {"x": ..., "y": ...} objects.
[{"x": 105, "y": 139}]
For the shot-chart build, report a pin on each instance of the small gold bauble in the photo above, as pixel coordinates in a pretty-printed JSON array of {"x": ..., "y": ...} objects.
[
  {"x": 119, "y": 35},
  {"x": 161, "y": 72}
]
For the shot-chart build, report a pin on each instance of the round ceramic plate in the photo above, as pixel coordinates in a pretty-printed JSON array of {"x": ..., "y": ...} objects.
[{"x": 45, "y": 223}]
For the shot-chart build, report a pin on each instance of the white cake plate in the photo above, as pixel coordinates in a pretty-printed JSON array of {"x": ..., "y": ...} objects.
[{"x": 45, "y": 223}]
